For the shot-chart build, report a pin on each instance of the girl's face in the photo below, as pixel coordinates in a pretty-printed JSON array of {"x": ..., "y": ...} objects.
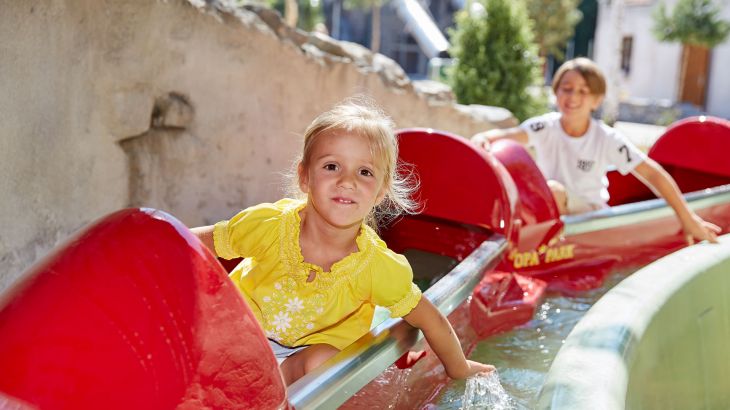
[
  {"x": 342, "y": 180},
  {"x": 574, "y": 98}
]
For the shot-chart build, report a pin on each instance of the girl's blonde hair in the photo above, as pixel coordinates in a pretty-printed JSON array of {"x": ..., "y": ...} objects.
[
  {"x": 362, "y": 116},
  {"x": 587, "y": 69}
]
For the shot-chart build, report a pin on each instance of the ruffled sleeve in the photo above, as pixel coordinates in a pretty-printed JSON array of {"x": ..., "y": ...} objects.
[
  {"x": 392, "y": 283},
  {"x": 250, "y": 232}
]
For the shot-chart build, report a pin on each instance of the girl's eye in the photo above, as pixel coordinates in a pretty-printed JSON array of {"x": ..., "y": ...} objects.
[
  {"x": 366, "y": 173},
  {"x": 330, "y": 167}
]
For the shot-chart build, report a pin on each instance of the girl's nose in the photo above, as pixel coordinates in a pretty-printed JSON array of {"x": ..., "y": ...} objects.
[{"x": 347, "y": 180}]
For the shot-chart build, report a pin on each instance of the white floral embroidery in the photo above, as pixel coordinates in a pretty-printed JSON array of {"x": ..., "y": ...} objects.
[
  {"x": 310, "y": 326},
  {"x": 267, "y": 299},
  {"x": 277, "y": 285},
  {"x": 294, "y": 305},
  {"x": 282, "y": 321}
]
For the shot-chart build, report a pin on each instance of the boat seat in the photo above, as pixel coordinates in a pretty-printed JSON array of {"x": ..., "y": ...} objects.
[
  {"x": 133, "y": 313},
  {"x": 693, "y": 151},
  {"x": 536, "y": 202},
  {"x": 434, "y": 235},
  {"x": 462, "y": 197},
  {"x": 626, "y": 189},
  {"x": 697, "y": 143},
  {"x": 457, "y": 181},
  {"x": 537, "y": 219}
]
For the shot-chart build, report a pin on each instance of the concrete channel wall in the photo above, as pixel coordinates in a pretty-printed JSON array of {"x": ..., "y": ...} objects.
[
  {"x": 658, "y": 340},
  {"x": 193, "y": 107}
]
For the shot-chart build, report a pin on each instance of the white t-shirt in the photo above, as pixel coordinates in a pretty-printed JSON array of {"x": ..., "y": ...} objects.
[{"x": 581, "y": 163}]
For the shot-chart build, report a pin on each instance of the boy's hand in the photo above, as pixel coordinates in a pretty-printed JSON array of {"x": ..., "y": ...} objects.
[
  {"x": 481, "y": 140},
  {"x": 697, "y": 229}
]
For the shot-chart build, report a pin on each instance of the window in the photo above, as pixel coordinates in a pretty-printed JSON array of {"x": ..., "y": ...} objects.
[{"x": 626, "y": 45}]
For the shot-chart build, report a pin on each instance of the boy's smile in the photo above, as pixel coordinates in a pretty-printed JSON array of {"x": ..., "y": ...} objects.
[{"x": 342, "y": 181}]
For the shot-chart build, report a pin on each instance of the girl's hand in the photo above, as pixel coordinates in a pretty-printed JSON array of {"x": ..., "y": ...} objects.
[
  {"x": 476, "y": 368},
  {"x": 697, "y": 229}
]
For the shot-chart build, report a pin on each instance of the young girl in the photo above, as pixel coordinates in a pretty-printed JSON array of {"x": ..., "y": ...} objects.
[
  {"x": 315, "y": 269},
  {"x": 573, "y": 150}
]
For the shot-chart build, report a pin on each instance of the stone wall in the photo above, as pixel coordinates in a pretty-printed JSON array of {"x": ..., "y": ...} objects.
[{"x": 192, "y": 108}]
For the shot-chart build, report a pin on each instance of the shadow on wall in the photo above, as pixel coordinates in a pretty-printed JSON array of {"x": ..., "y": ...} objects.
[{"x": 159, "y": 104}]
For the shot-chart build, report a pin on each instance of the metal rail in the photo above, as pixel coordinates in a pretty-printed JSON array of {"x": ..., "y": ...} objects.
[
  {"x": 623, "y": 215},
  {"x": 341, "y": 377}
]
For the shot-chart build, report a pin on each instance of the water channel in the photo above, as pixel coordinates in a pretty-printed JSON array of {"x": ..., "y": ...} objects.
[{"x": 523, "y": 355}]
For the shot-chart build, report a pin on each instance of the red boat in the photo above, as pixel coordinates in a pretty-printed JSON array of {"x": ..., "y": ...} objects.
[{"x": 133, "y": 312}]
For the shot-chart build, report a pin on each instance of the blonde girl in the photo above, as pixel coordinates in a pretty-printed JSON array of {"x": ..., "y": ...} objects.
[{"x": 315, "y": 270}]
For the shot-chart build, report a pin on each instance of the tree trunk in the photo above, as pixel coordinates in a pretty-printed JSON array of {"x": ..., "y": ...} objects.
[
  {"x": 291, "y": 12},
  {"x": 375, "y": 34}
]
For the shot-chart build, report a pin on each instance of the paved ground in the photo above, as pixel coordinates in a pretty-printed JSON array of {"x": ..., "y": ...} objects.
[{"x": 642, "y": 135}]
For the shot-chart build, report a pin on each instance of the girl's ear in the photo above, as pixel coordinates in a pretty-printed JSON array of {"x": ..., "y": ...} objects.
[{"x": 303, "y": 178}]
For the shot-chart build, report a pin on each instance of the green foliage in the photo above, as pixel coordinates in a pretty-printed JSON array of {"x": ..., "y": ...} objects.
[
  {"x": 363, "y": 4},
  {"x": 691, "y": 22},
  {"x": 496, "y": 59},
  {"x": 310, "y": 12},
  {"x": 553, "y": 23}
]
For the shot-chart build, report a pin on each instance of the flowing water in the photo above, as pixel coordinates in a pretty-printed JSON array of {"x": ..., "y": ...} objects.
[
  {"x": 523, "y": 355},
  {"x": 485, "y": 392}
]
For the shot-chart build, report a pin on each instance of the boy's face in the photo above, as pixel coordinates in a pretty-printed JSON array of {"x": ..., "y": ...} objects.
[
  {"x": 342, "y": 181},
  {"x": 574, "y": 98}
]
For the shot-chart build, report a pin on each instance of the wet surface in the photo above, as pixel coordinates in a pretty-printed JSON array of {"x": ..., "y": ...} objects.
[{"x": 523, "y": 355}]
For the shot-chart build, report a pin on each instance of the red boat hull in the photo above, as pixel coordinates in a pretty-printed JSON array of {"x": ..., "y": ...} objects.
[{"x": 133, "y": 313}]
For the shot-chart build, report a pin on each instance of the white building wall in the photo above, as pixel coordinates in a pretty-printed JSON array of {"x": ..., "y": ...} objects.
[
  {"x": 655, "y": 66},
  {"x": 718, "y": 93}
]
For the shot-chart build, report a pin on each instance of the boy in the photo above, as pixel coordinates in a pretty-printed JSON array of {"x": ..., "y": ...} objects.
[{"x": 573, "y": 150}]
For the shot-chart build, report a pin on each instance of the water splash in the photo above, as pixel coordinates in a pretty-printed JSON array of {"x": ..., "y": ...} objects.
[
  {"x": 485, "y": 392},
  {"x": 524, "y": 354}
]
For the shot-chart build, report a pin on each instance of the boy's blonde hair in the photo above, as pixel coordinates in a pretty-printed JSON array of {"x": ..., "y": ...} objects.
[
  {"x": 588, "y": 70},
  {"x": 360, "y": 115}
]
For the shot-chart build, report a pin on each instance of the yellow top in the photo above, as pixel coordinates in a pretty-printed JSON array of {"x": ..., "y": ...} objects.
[{"x": 337, "y": 307}]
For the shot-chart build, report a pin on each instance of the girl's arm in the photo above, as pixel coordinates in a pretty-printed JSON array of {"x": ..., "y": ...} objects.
[
  {"x": 486, "y": 138},
  {"x": 205, "y": 234},
  {"x": 442, "y": 339},
  {"x": 695, "y": 228}
]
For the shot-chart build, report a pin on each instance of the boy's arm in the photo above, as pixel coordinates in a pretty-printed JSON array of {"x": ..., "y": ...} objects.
[
  {"x": 443, "y": 341},
  {"x": 205, "y": 234},
  {"x": 695, "y": 228},
  {"x": 486, "y": 138}
]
